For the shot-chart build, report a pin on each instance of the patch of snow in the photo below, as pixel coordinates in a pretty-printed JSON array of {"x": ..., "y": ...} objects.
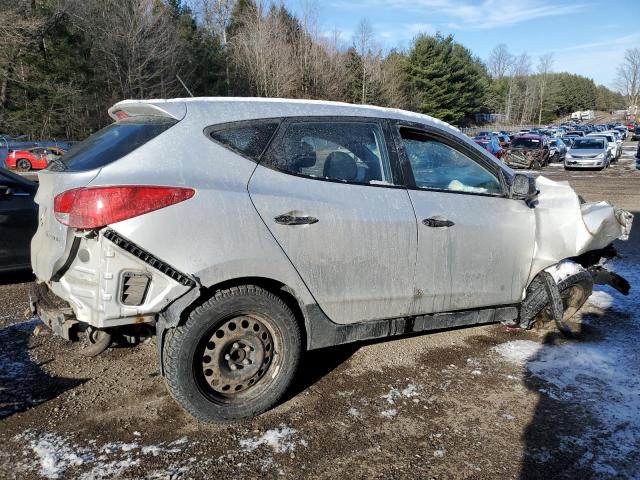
[
  {"x": 476, "y": 372},
  {"x": 601, "y": 299},
  {"x": 113, "y": 469},
  {"x": 409, "y": 391},
  {"x": 279, "y": 439},
  {"x": 439, "y": 453},
  {"x": 518, "y": 351},
  {"x": 56, "y": 454},
  {"x": 601, "y": 375},
  {"x": 563, "y": 269},
  {"x": 390, "y": 413},
  {"x": 354, "y": 412}
]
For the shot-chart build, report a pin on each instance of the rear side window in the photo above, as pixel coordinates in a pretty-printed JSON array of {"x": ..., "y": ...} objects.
[
  {"x": 112, "y": 143},
  {"x": 351, "y": 152},
  {"x": 246, "y": 138}
]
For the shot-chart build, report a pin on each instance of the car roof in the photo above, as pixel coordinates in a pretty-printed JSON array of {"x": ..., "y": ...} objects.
[
  {"x": 531, "y": 136},
  {"x": 229, "y": 109}
]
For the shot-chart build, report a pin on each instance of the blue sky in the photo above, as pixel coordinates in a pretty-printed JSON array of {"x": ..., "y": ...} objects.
[{"x": 587, "y": 37}]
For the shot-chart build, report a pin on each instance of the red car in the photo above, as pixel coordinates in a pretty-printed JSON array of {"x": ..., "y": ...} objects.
[{"x": 31, "y": 159}]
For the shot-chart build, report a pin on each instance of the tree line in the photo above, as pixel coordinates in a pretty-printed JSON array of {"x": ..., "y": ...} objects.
[{"x": 64, "y": 62}]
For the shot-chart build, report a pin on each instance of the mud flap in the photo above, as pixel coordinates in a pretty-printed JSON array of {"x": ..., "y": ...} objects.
[{"x": 555, "y": 304}]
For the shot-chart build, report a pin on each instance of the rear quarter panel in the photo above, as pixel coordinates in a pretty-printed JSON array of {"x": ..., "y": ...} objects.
[{"x": 215, "y": 236}]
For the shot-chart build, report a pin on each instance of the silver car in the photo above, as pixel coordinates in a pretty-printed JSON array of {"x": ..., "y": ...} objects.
[
  {"x": 588, "y": 152},
  {"x": 244, "y": 232}
]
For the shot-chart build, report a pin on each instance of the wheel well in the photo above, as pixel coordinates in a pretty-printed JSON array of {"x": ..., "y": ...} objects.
[{"x": 282, "y": 291}]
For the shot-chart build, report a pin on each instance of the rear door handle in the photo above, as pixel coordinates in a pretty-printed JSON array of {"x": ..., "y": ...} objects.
[
  {"x": 437, "y": 222},
  {"x": 293, "y": 220}
]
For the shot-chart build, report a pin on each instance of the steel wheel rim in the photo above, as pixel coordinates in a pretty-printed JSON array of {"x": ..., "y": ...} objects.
[{"x": 237, "y": 358}]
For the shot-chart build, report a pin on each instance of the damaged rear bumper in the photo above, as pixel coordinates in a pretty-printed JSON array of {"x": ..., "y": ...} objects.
[{"x": 110, "y": 282}]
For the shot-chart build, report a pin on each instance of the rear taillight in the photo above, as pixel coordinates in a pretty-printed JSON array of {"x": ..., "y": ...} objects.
[{"x": 94, "y": 207}]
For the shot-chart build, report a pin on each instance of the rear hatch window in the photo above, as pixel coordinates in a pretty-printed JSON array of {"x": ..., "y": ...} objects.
[{"x": 112, "y": 143}]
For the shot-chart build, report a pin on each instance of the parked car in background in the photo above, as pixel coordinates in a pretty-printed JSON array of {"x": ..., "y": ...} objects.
[
  {"x": 26, "y": 160},
  {"x": 557, "y": 150},
  {"x": 574, "y": 133},
  {"x": 527, "y": 151},
  {"x": 35, "y": 158},
  {"x": 18, "y": 220},
  {"x": 588, "y": 152},
  {"x": 636, "y": 133},
  {"x": 614, "y": 146},
  {"x": 320, "y": 221}
]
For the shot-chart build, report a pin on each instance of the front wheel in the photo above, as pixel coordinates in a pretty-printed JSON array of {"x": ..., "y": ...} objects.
[{"x": 235, "y": 356}]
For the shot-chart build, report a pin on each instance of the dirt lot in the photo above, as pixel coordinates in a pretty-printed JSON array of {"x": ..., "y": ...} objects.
[{"x": 482, "y": 402}]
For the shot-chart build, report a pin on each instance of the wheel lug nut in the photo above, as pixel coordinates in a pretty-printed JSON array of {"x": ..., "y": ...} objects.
[
  {"x": 227, "y": 357},
  {"x": 236, "y": 345},
  {"x": 232, "y": 367},
  {"x": 247, "y": 348},
  {"x": 246, "y": 361}
]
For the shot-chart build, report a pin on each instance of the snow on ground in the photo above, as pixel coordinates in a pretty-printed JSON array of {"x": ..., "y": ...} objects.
[
  {"x": 52, "y": 455},
  {"x": 281, "y": 439},
  {"x": 602, "y": 375}
]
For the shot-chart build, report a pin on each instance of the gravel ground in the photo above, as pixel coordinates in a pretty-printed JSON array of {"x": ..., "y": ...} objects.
[{"x": 482, "y": 402}]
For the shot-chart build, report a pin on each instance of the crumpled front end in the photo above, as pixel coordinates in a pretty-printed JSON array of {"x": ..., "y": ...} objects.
[
  {"x": 565, "y": 228},
  {"x": 573, "y": 240},
  {"x": 517, "y": 158}
]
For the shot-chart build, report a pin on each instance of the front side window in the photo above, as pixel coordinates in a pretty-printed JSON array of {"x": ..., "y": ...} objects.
[
  {"x": 351, "y": 152},
  {"x": 438, "y": 166}
]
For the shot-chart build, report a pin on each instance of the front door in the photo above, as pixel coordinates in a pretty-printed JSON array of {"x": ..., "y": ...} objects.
[
  {"x": 475, "y": 245},
  {"x": 325, "y": 190}
]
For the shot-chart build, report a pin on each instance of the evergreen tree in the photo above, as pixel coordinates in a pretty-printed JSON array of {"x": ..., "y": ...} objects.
[{"x": 449, "y": 83}]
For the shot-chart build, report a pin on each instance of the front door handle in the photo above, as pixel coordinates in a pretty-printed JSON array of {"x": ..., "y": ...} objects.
[
  {"x": 293, "y": 220},
  {"x": 437, "y": 222}
]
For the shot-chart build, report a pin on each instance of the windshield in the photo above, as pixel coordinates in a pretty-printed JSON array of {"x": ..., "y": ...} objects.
[
  {"x": 112, "y": 143},
  {"x": 525, "y": 143},
  {"x": 608, "y": 138},
  {"x": 588, "y": 143}
]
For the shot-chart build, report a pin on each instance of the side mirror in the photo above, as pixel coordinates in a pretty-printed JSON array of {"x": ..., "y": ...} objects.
[{"x": 523, "y": 187}]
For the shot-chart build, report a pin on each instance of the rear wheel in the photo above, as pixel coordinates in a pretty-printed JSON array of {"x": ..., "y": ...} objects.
[
  {"x": 235, "y": 356},
  {"x": 23, "y": 165}
]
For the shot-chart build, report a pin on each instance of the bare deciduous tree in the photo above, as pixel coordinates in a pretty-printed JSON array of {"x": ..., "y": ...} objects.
[
  {"x": 216, "y": 16},
  {"x": 544, "y": 68},
  {"x": 500, "y": 61},
  {"x": 628, "y": 76},
  {"x": 363, "y": 41}
]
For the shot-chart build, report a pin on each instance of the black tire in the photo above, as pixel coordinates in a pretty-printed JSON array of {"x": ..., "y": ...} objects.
[
  {"x": 204, "y": 378},
  {"x": 574, "y": 290},
  {"x": 23, "y": 165}
]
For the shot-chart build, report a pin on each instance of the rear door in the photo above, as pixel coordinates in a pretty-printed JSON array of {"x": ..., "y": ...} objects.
[
  {"x": 327, "y": 190},
  {"x": 475, "y": 245}
]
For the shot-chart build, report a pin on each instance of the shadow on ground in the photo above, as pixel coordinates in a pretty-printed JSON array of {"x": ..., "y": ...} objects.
[
  {"x": 23, "y": 382},
  {"x": 567, "y": 436}
]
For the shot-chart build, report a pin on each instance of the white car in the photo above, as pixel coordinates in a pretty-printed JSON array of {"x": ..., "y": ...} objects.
[{"x": 614, "y": 147}]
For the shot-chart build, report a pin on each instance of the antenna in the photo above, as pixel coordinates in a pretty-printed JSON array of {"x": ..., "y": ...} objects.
[{"x": 185, "y": 87}]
